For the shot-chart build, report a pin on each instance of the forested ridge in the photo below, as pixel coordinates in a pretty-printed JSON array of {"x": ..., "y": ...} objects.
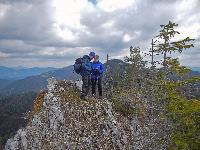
[
  {"x": 163, "y": 93},
  {"x": 12, "y": 112}
]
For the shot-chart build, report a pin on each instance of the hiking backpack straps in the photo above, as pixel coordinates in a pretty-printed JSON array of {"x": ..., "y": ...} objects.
[{"x": 78, "y": 65}]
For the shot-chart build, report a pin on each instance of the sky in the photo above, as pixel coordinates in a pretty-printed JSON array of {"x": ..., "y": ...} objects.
[{"x": 53, "y": 33}]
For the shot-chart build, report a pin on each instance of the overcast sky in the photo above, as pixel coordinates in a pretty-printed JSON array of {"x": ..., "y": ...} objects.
[{"x": 55, "y": 32}]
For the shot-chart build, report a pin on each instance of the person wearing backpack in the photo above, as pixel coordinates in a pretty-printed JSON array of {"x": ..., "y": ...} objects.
[
  {"x": 83, "y": 67},
  {"x": 96, "y": 77}
]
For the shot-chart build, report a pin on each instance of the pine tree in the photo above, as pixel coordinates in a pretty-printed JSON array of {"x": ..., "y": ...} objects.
[
  {"x": 166, "y": 45},
  {"x": 181, "y": 111}
]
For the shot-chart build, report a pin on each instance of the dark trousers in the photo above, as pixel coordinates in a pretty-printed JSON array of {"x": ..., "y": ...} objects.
[
  {"x": 97, "y": 81},
  {"x": 86, "y": 85}
]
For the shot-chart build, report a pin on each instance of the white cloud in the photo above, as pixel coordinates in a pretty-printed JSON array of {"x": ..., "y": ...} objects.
[
  {"x": 126, "y": 38},
  {"x": 3, "y": 9},
  {"x": 188, "y": 19},
  {"x": 112, "y": 5},
  {"x": 64, "y": 33},
  {"x": 108, "y": 24},
  {"x": 67, "y": 17},
  {"x": 68, "y": 12},
  {"x": 184, "y": 7},
  {"x": 57, "y": 30},
  {"x": 3, "y": 55}
]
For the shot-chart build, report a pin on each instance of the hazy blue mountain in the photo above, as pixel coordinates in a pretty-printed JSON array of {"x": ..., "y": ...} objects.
[
  {"x": 38, "y": 82},
  {"x": 20, "y": 72},
  {"x": 20, "y": 67},
  {"x": 62, "y": 73},
  {"x": 194, "y": 73},
  {"x": 32, "y": 83},
  {"x": 195, "y": 68},
  {"x": 4, "y": 82}
]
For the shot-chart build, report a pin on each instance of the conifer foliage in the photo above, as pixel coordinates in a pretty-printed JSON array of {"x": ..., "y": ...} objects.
[{"x": 162, "y": 97}]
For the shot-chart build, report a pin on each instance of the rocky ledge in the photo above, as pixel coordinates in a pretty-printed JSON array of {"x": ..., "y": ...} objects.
[{"x": 60, "y": 120}]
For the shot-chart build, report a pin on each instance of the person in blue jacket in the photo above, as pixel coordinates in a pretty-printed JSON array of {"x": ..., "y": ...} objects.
[
  {"x": 96, "y": 76},
  {"x": 86, "y": 74}
]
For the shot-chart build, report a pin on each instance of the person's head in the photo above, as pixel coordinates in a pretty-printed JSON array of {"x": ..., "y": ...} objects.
[
  {"x": 92, "y": 55},
  {"x": 96, "y": 58}
]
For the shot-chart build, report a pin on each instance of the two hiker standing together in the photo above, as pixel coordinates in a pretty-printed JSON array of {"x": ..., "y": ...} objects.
[{"x": 91, "y": 70}]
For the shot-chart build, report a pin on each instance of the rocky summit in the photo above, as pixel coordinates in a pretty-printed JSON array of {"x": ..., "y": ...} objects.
[{"x": 60, "y": 120}]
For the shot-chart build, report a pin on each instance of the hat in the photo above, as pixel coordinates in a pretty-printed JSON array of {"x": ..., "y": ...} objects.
[
  {"x": 92, "y": 54},
  {"x": 96, "y": 57}
]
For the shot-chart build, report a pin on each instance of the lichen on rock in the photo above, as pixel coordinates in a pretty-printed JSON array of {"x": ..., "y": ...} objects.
[{"x": 67, "y": 122}]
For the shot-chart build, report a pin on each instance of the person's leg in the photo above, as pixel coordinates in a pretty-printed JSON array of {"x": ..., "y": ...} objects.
[
  {"x": 93, "y": 86},
  {"x": 100, "y": 86},
  {"x": 84, "y": 87},
  {"x": 88, "y": 84}
]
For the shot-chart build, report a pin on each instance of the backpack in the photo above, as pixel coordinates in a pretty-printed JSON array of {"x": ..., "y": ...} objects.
[{"x": 78, "y": 65}]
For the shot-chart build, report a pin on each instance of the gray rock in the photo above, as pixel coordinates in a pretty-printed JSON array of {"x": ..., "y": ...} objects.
[{"x": 65, "y": 123}]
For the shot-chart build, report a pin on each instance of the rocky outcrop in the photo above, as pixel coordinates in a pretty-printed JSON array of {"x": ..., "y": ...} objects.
[{"x": 67, "y": 122}]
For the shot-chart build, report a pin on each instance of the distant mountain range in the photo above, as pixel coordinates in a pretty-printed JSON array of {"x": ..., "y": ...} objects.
[
  {"x": 21, "y": 72},
  {"x": 195, "y": 68},
  {"x": 4, "y": 83},
  {"x": 38, "y": 82}
]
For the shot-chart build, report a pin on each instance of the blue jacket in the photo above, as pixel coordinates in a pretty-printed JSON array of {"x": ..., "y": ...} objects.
[
  {"x": 97, "y": 69},
  {"x": 86, "y": 66}
]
